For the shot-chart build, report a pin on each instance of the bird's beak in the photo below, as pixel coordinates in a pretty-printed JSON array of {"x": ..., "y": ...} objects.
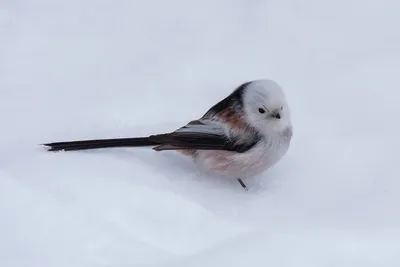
[{"x": 276, "y": 115}]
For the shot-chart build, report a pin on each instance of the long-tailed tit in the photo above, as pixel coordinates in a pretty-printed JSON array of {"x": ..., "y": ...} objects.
[{"x": 239, "y": 137}]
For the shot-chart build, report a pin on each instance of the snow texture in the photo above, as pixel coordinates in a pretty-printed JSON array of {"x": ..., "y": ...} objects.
[{"x": 95, "y": 69}]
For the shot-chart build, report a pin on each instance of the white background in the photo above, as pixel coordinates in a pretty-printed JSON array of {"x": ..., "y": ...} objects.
[{"x": 95, "y": 69}]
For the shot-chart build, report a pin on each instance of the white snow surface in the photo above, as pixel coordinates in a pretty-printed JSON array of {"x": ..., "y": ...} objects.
[{"x": 82, "y": 69}]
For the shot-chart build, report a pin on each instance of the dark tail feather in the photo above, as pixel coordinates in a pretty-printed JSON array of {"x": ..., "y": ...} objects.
[{"x": 100, "y": 143}]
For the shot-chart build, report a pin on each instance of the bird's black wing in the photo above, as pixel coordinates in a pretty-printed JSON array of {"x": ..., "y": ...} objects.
[{"x": 205, "y": 135}]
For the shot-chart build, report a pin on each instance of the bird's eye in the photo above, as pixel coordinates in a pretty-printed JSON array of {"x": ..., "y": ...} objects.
[
  {"x": 261, "y": 110},
  {"x": 281, "y": 108}
]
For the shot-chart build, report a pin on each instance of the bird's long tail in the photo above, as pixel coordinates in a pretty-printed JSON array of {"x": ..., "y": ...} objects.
[{"x": 100, "y": 143}]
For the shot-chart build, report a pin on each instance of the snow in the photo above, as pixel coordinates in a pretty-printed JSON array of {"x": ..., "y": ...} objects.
[{"x": 95, "y": 69}]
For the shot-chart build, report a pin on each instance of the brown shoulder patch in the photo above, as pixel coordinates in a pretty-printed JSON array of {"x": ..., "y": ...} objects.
[{"x": 231, "y": 118}]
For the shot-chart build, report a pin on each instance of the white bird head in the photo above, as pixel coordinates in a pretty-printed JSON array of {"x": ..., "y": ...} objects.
[{"x": 265, "y": 107}]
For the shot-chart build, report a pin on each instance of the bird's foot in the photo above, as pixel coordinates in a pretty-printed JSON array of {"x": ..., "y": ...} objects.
[{"x": 242, "y": 184}]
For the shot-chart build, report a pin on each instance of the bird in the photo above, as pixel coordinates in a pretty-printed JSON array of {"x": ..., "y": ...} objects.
[{"x": 241, "y": 136}]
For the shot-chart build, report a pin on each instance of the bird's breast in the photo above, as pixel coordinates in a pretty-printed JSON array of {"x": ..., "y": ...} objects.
[{"x": 241, "y": 165}]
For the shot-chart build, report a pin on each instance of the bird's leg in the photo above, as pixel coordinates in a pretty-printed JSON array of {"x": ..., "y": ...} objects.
[{"x": 241, "y": 183}]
